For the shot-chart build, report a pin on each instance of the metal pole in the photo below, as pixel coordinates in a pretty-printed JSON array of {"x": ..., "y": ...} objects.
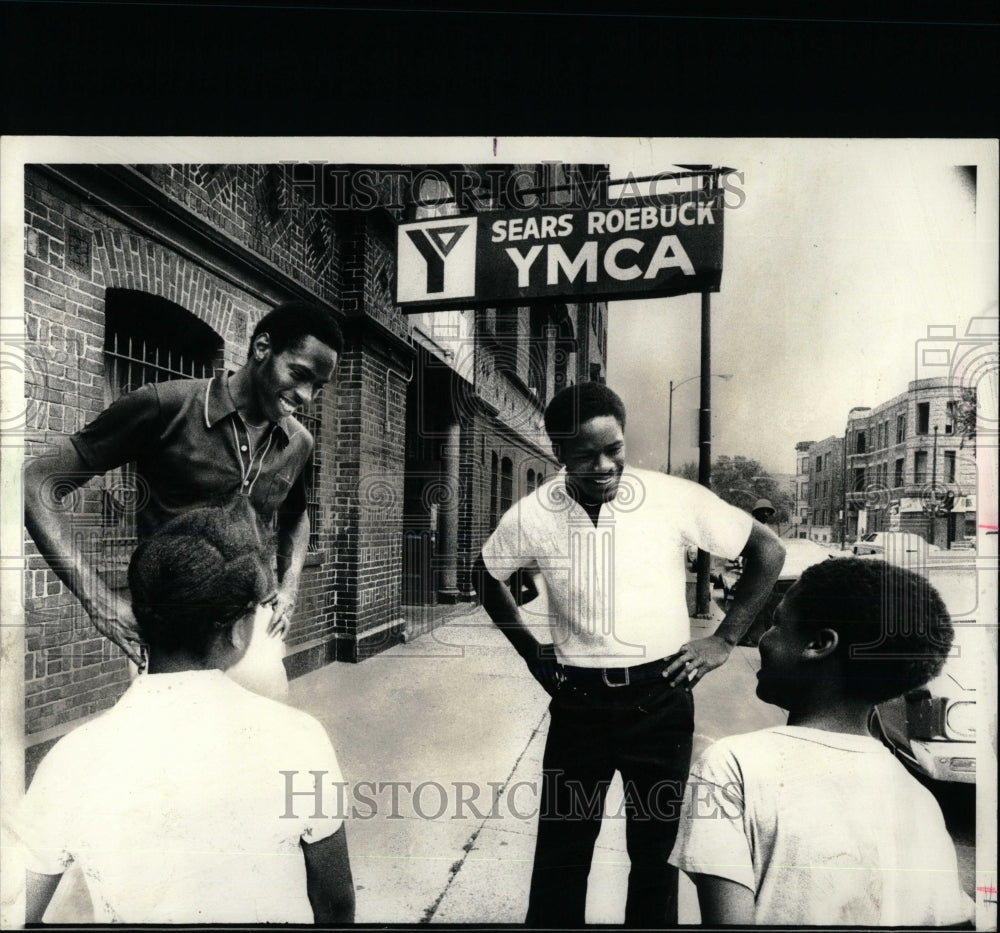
[
  {"x": 702, "y": 593},
  {"x": 934, "y": 503},
  {"x": 843, "y": 496},
  {"x": 670, "y": 424}
]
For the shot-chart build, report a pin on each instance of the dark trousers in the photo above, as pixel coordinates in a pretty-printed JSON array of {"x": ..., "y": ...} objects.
[{"x": 644, "y": 732}]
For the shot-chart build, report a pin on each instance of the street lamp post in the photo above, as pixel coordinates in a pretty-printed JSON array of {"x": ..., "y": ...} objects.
[
  {"x": 670, "y": 408},
  {"x": 933, "y": 511},
  {"x": 843, "y": 494}
]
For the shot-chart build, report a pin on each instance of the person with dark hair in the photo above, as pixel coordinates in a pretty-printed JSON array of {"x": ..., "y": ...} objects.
[
  {"x": 608, "y": 543},
  {"x": 198, "y": 442},
  {"x": 175, "y": 802},
  {"x": 815, "y": 823},
  {"x": 288, "y": 324},
  {"x": 575, "y": 405}
]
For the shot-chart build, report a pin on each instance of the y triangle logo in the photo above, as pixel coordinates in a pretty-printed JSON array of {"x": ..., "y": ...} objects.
[{"x": 434, "y": 245}]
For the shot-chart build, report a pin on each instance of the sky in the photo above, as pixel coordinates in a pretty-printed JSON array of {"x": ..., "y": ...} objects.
[{"x": 842, "y": 255}]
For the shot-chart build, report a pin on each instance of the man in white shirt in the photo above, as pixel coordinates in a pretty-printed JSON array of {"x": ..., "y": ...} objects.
[
  {"x": 183, "y": 803},
  {"x": 609, "y": 543}
]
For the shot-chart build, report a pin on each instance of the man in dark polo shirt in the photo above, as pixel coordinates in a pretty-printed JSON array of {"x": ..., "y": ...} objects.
[{"x": 198, "y": 442}]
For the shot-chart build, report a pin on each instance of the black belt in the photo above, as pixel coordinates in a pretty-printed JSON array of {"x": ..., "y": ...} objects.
[{"x": 588, "y": 678}]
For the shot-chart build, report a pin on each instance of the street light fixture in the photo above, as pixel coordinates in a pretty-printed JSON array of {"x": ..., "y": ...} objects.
[{"x": 670, "y": 408}]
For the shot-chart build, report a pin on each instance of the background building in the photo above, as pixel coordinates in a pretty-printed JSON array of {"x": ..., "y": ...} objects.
[
  {"x": 800, "y": 491},
  {"x": 906, "y": 465},
  {"x": 431, "y": 427},
  {"x": 911, "y": 465},
  {"x": 826, "y": 489}
]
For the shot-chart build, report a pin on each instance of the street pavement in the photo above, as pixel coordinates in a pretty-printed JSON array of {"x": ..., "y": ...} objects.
[
  {"x": 441, "y": 739},
  {"x": 455, "y": 715}
]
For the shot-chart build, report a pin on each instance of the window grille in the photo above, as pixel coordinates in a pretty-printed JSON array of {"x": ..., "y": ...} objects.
[
  {"x": 147, "y": 340},
  {"x": 506, "y": 484},
  {"x": 310, "y": 418}
]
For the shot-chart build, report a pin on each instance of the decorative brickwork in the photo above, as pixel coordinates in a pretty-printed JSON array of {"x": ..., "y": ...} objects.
[{"x": 75, "y": 251}]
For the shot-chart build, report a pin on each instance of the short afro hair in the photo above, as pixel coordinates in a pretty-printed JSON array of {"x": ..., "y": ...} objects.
[
  {"x": 894, "y": 630},
  {"x": 577, "y": 404},
  {"x": 196, "y": 577},
  {"x": 292, "y": 321}
]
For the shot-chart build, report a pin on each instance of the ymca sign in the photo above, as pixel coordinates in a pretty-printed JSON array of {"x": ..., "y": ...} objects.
[{"x": 669, "y": 245}]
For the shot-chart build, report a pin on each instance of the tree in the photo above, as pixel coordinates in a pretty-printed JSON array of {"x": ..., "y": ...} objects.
[
  {"x": 688, "y": 470},
  {"x": 741, "y": 482},
  {"x": 965, "y": 416}
]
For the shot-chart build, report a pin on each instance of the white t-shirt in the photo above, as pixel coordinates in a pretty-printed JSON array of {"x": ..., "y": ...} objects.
[
  {"x": 825, "y": 828},
  {"x": 174, "y": 805},
  {"x": 616, "y": 591}
]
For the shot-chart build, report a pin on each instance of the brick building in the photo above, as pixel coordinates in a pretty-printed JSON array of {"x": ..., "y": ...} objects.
[
  {"x": 800, "y": 490},
  {"x": 431, "y": 426},
  {"x": 892, "y": 464},
  {"x": 907, "y": 453},
  {"x": 826, "y": 489}
]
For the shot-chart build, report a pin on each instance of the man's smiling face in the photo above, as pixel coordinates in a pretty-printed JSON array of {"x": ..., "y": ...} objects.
[
  {"x": 285, "y": 381},
  {"x": 595, "y": 459}
]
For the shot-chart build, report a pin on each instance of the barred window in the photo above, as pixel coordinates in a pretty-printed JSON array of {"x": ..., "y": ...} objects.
[
  {"x": 310, "y": 418},
  {"x": 146, "y": 339},
  {"x": 494, "y": 490},
  {"x": 506, "y": 484}
]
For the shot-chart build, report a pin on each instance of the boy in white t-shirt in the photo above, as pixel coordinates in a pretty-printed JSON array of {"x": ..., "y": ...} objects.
[
  {"x": 815, "y": 822},
  {"x": 177, "y": 804}
]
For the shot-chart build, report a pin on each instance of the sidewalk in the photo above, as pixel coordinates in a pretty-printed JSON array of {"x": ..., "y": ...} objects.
[
  {"x": 442, "y": 740},
  {"x": 456, "y": 716}
]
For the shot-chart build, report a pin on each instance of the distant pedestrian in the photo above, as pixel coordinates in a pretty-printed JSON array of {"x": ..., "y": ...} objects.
[
  {"x": 815, "y": 823},
  {"x": 608, "y": 542},
  {"x": 763, "y": 511},
  {"x": 174, "y": 803}
]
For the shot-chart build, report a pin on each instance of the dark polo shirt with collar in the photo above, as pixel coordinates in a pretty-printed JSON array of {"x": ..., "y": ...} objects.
[{"x": 191, "y": 450}]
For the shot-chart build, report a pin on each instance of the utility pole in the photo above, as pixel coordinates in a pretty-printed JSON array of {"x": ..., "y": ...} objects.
[
  {"x": 670, "y": 424},
  {"x": 843, "y": 496},
  {"x": 933, "y": 506},
  {"x": 703, "y": 594}
]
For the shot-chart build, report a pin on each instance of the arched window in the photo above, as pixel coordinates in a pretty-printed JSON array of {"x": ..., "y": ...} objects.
[
  {"x": 147, "y": 339},
  {"x": 506, "y": 484},
  {"x": 531, "y": 481},
  {"x": 494, "y": 490}
]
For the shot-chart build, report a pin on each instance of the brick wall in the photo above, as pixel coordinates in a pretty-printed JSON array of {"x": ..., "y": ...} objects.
[
  {"x": 225, "y": 242},
  {"x": 74, "y": 252},
  {"x": 254, "y": 205},
  {"x": 369, "y": 422}
]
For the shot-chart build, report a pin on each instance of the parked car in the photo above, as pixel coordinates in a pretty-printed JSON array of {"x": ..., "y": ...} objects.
[
  {"x": 932, "y": 730},
  {"x": 898, "y": 547}
]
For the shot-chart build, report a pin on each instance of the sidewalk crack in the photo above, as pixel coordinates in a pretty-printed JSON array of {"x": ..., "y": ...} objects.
[{"x": 471, "y": 841}]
